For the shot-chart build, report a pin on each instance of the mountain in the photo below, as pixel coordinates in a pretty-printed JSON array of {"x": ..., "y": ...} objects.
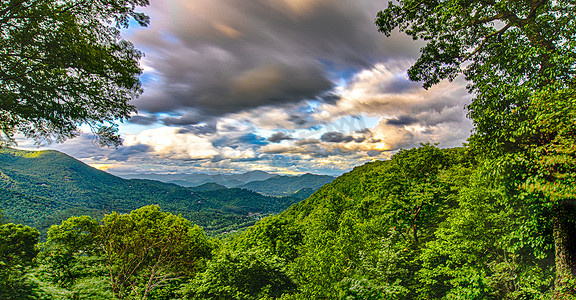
[
  {"x": 404, "y": 228},
  {"x": 252, "y": 176},
  {"x": 41, "y": 188},
  {"x": 257, "y": 181},
  {"x": 191, "y": 180},
  {"x": 208, "y": 187},
  {"x": 287, "y": 185}
]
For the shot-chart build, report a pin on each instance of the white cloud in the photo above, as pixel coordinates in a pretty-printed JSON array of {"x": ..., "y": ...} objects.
[{"x": 169, "y": 142}]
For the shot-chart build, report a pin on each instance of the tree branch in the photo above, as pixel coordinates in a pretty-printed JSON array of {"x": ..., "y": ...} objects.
[{"x": 485, "y": 40}]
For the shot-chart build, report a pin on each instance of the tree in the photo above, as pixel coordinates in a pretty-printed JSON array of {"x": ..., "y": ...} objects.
[
  {"x": 252, "y": 274},
  {"x": 138, "y": 253},
  {"x": 422, "y": 194},
  {"x": 17, "y": 250},
  {"x": 72, "y": 253},
  {"x": 64, "y": 64},
  {"x": 148, "y": 248},
  {"x": 519, "y": 60}
]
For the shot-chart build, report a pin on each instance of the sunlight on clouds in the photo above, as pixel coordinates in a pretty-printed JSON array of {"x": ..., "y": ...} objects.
[
  {"x": 227, "y": 30},
  {"x": 228, "y": 152},
  {"x": 102, "y": 167},
  {"x": 170, "y": 142},
  {"x": 299, "y": 7}
]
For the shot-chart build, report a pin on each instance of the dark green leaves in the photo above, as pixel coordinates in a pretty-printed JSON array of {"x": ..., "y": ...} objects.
[{"x": 64, "y": 64}]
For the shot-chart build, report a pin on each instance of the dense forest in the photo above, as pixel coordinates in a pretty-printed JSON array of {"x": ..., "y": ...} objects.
[
  {"x": 494, "y": 219},
  {"x": 428, "y": 224}
]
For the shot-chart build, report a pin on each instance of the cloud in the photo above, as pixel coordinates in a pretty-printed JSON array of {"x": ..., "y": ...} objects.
[
  {"x": 279, "y": 136},
  {"x": 220, "y": 57},
  {"x": 143, "y": 119},
  {"x": 208, "y": 128},
  {"x": 281, "y": 117},
  {"x": 237, "y": 140},
  {"x": 190, "y": 118},
  {"x": 338, "y": 137},
  {"x": 170, "y": 142},
  {"x": 409, "y": 114},
  {"x": 125, "y": 153},
  {"x": 402, "y": 120}
]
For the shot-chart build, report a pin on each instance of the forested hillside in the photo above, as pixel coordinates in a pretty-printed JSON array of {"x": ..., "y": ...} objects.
[
  {"x": 42, "y": 188},
  {"x": 428, "y": 224}
]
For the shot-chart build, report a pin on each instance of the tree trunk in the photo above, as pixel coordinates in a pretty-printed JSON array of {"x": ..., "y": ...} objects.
[{"x": 565, "y": 244}]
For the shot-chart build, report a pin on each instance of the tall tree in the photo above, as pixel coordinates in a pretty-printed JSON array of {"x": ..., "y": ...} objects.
[
  {"x": 64, "y": 64},
  {"x": 422, "y": 194},
  {"x": 520, "y": 61}
]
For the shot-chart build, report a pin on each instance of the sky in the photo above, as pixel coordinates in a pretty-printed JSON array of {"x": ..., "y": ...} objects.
[{"x": 283, "y": 86}]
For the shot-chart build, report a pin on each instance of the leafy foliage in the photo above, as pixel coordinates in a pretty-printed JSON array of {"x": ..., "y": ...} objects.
[
  {"x": 63, "y": 64},
  {"x": 519, "y": 60},
  {"x": 17, "y": 251},
  {"x": 242, "y": 275},
  {"x": 138, "y": 253},
  {"x": 354, "y": 238}
]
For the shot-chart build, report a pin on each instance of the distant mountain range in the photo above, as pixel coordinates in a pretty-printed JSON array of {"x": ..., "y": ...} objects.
[
  {"x": 287, "y": 185},
  {"x": 257, "y": 181},
  {"x": 191, "y": 180},
  {"x": 42, "y": 188}
]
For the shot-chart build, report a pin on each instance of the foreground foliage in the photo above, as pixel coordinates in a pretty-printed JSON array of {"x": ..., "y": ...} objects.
[
  {"x": 519, "y": 60},
  {"x": 134, "y": 255},
  {"x": 64, "y": 64}
]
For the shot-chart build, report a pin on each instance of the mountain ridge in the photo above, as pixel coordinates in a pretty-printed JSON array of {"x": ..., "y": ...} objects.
[{"x": 41, "y": 188}]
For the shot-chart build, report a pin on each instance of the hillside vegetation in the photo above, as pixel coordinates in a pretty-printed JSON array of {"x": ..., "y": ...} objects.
[
  {"x": 43, "y": 188},
  {"x": 428, "y": 224}
]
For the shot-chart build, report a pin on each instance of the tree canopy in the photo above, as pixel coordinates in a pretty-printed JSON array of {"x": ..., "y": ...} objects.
[
  {"x": 17, "y": 251},
  {"x": 139, "y": 252},
  {"x": 520, "y": 61},
  {"x": 64, "y": 64}
]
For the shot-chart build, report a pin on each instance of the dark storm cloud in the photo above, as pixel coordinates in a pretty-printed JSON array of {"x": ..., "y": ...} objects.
[
  {"x": 187, "y": 119},
  {"x": 279, "y": 136},
  {"x": 338, "y": 137},
  {"x": 143, "y": 120},
  {"x": 402, "y": 120},
  {"x": 228, "y": 56}
]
